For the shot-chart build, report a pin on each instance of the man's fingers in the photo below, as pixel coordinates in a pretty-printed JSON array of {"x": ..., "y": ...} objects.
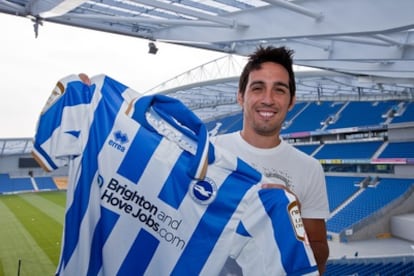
[
  {"x": 273, "y": 185},
  {"x": 280, "y": 186},
  {"x": 85, "y": 78}
]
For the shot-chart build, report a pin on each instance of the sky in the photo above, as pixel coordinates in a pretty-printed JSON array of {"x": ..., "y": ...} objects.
[{"x": 30, "y": 66}]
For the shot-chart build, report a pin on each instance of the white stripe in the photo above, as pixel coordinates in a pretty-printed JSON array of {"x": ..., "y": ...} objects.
[{"x": 79, "y": 262}]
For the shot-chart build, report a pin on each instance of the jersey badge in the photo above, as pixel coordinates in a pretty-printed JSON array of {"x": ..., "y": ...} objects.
[
  {"x": 203, "y": 191},
  {"x": 296, "y": 220}
]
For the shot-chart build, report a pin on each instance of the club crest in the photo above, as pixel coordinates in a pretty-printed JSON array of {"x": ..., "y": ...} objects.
[{"x": 203, "y": 191}]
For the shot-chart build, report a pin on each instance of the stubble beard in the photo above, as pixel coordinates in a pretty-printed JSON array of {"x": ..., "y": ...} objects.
[{"x": 266, "y": 129}]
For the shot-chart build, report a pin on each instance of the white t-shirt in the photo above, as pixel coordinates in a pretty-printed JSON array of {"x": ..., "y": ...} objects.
[{"x": 285, "y": 165}]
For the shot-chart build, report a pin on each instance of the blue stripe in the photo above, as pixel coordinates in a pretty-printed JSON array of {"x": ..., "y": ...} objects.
[
  {"x": 189, "y": 124},
  {"x": 188, "y": 119},
  {"x": 49, "y": 160},
  {"x": 241, "y": 230},
  {"x": 114, "y": 87},
  {"x": 139, "y": 153},
  {"x": 214, "y": 220},
  {"x": 104, "y": 117},
  {"x": 103, "y": 228},
  {"x": 247, "y": 172},
  {"x": 293, "y": 254},
  {"x": 140, "y": 254},
  {"x": 76, "y": 93},
  {"x": 171, "y": 193},
  {"x": 165, "y": 106}
]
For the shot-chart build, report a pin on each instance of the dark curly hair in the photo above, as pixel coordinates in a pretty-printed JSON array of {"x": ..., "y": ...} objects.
[{"x": 279, "y": 55}]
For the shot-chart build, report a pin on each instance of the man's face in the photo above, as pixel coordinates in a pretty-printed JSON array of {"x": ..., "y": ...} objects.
[{"x": 266, "y": 100}]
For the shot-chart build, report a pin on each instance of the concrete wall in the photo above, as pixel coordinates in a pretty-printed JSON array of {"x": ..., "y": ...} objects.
[
  {"x": 401, "y": 132},
  {"x": 10, "y": 165},
  {"x": 402, "y": 226}
]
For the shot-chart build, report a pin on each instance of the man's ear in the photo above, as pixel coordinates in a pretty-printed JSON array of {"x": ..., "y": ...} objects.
[
  {"x": 240, "y": 98},
  {"x": 292, "y": 103}
]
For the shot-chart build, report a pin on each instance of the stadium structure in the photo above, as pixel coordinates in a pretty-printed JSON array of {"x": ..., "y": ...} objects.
[{"x": 354, "y": 111}]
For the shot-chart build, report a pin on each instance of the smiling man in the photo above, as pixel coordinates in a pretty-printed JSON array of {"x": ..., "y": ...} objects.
[{"x": 266, "y": 94}]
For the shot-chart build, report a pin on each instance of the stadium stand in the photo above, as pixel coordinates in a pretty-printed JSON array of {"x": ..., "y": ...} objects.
[
  {"x": 398, "y": 150},
  {"x": 370, "y": 200},
  {"x": 45, "y": 183},
  {"x": 372, "y": 113},
  {"x": 322, "y": 117},
  {"x": 340, "y": 189},
  {"x": 312, "y": 117},
  {"x": 372, "y": 266},
  {"x": 308, "y": 149},
  {"x": 9, "y": 185},
  {"x": 350, "y": 150},
  {"x": 403, "y": 114},
  {"x": 14, "y": 185}
]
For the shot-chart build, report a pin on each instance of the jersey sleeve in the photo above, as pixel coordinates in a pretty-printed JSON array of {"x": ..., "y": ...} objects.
[
  {"x": 277, "y": 237},
  {"x": 61, "y": 122}
]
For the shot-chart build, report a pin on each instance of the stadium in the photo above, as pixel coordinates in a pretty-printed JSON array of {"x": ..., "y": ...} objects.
[{"x": 354, "y": 113}]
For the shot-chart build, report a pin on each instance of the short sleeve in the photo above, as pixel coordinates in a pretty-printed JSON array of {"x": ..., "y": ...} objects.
[{"x": 61, "y": 124}]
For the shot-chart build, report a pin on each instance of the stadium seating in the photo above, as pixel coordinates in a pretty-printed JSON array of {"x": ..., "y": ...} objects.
[
  {"x": 372, "y": 114},
  {"x": 369, "y": 201},
  {"x": 25, "y": 184},
  {"x": 308, "y": 149},
  {"x": 312, "y": 117},
  {"x": 13, "y": 185},
  {"x": 407, "y": 116},
  {"x": 316, "y": 116},
  {"x": 398, "y": 150},
  {"x": 357, "y": 150},
  {"x": 401, "y": 266},
  {"x": 340, "y": 189},
  {"x": 45, "y": 183}
]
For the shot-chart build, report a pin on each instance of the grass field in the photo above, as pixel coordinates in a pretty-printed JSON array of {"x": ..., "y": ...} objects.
[{"x": 30, "y": 231}]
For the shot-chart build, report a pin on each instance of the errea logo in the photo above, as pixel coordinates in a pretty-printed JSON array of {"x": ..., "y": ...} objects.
[
  {"x": 118, "y": 141},
  {"x": 203, "y": 191}
]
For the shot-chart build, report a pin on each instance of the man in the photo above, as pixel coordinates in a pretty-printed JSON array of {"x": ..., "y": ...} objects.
[{"x": 266, "y": 93}]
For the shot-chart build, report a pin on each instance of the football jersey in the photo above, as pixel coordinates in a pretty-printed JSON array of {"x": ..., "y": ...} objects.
[{"x": 149, "y": 194}]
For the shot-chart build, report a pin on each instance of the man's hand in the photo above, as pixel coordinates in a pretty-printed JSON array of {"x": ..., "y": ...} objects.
[
  {"x": 316, "y": 231},
  {"x": 280, "y": 186},
  {"x": 85, "y": 78}
]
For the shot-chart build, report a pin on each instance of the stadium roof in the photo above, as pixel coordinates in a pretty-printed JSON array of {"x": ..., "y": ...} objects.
[
  {"x": 363, "y": 37},
  {"x": 364, "y": 48},
  {"x": 210, "y": 89},
  {"x": 15, "y": 146}
]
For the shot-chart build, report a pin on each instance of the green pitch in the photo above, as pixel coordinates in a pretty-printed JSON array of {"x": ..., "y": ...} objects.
[{"x": 30, "y": 232}]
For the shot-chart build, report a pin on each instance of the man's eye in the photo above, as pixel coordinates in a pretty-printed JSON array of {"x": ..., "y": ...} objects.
[{"x": 280, "y": 91}]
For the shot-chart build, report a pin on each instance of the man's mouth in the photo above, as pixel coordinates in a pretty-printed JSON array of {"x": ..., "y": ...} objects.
[{"x": 266, "y": 114}]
